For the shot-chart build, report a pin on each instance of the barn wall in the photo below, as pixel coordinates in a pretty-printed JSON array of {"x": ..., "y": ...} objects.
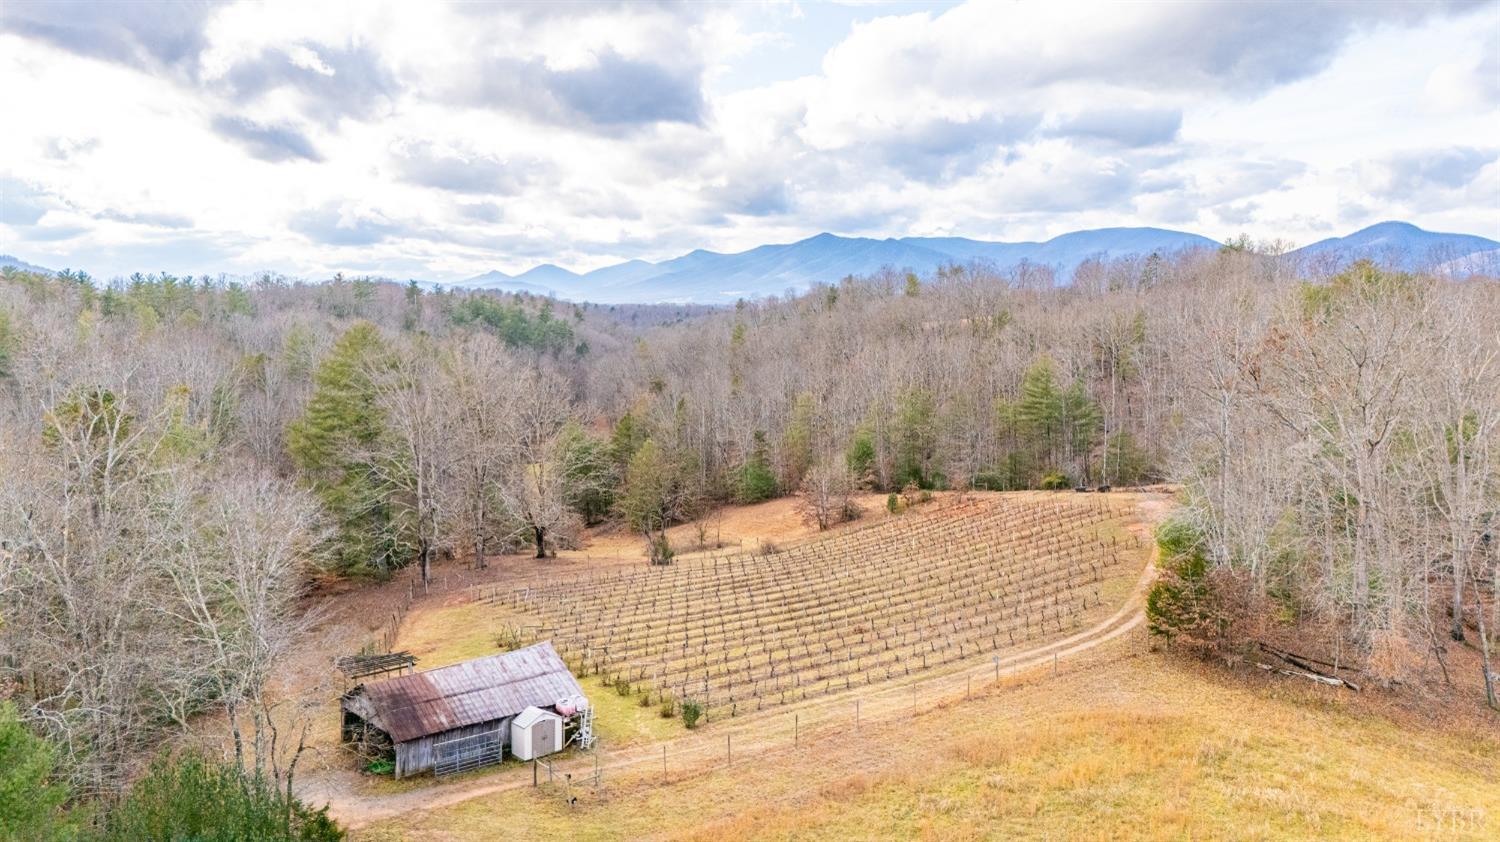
[{"x": 416, "y": 756}]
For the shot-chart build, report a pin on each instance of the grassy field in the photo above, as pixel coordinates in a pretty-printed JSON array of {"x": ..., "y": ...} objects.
[{"x": 1126, "y": 744}]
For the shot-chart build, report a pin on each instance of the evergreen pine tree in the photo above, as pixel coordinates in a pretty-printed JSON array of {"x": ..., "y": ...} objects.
[{"x": 334, "y": 445}]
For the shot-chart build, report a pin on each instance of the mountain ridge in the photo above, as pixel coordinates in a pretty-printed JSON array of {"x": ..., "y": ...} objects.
[{"x": 703, "y": 276}]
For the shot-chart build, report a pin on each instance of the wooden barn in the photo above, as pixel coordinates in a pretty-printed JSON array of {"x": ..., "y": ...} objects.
[{"x": 458, "y": 717}]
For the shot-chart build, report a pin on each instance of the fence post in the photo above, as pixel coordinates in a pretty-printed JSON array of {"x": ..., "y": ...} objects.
[
  {"x": 728, "y": 751},
  {"x": 796, "y": 730},
  {"x": 533, "y": 769}
]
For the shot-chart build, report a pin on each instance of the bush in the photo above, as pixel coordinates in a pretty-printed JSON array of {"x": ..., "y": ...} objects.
[
  {"x": 31, "y": 798},
  {"x": 991, "y": 481},
  {"x": 1190, "y": 601},
  {"x": 660, "y": 549},
  {"x": 381, "y": 766},
  {"x": 668, "y": 707},
  {"x": 754, "y": 483},
  {"x": 850, "y": 511},
  {"x": 691, "y": 712},
  {"x": 1056, "y": 481},
  {"x": 861, "y": 458},
  {"x": 199, "y": 799},
  {"x": 893, "y": 503},
  {"x": 510, "y": 638}
]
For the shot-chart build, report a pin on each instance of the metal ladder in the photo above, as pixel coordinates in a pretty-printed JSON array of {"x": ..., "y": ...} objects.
[{"x": 586, "y": 728}]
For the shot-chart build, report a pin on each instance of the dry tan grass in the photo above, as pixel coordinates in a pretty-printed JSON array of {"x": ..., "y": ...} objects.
[{"x": 737, "y": 527}]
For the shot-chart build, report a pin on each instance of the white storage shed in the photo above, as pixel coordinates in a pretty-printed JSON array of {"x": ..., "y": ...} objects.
[{"x": 535, "y": 733}]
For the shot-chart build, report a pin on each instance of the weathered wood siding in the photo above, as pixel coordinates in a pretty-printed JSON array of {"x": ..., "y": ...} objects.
[{"x": 416, "y": 756}]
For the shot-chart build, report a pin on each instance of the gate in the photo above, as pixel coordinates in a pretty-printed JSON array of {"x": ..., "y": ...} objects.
[{"x": 462, "y": 754}]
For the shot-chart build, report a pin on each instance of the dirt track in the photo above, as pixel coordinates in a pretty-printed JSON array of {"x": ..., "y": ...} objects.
[{"x": 812, "y": 720}]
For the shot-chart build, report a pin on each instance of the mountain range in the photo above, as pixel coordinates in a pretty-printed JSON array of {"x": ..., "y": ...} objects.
[
  {"x": 21, "y": 265},
  {"x": 712, "y": 277},
  {"x": 709, "y": 277}
]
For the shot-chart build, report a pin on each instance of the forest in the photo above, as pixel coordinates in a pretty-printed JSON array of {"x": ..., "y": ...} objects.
[{"x": 183, "y": 456}]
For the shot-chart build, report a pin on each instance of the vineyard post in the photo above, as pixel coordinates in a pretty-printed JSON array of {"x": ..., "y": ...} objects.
[
  {"x": 796, "y": 730},
  {"x": 663, "y": 762},
  {"x": 1054, "y": 664},
  {"x": 997, "y": 669}
]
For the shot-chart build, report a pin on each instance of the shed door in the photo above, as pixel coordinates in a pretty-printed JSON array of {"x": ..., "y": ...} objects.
[{"x": 544, "y": 736}]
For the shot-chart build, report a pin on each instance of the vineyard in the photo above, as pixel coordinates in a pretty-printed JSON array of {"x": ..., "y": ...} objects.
[{"x": 738, "y": 633}]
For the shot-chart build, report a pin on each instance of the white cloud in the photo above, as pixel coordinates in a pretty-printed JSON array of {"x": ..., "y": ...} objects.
[{"x": 311, "y": 138}]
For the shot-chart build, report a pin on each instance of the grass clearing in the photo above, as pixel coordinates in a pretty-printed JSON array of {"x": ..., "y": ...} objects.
[
  {"x": 444, "y": 634},
  {"x": 621, "y": 721}
]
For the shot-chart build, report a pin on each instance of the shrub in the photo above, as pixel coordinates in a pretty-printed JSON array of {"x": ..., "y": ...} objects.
[
  {"x": 691, "y": 712},
  {"x": 850, "y": 511},
  {"x": 196, "y": 798},
  {"x": 861, "y": 458},
  {"x": 31, "y": 797},
  {"x": 754, "y": 483},
  {"x": 1190, "y": 601},
  {"x": 380, "y": 766},
  {"x": 660, "y": 549},
  {"x": 991, "y": 481},
  {"x": 1056, "y": 481},
  {"x": 668, "y": 707},
  {"x": 893, "y": 503},
  {"x": 509, "y": 638}
]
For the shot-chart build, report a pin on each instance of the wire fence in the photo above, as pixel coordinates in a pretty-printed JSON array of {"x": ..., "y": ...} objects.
[{"x": 827, "y": 720}]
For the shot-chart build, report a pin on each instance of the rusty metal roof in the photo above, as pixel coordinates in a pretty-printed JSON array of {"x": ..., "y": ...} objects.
[{"x": 482, "y": 690}]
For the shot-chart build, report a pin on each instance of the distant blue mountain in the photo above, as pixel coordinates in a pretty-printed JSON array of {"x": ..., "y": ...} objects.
[
  {"x": 16, "y": 262},
  {"x": 1397, "y": 244},
  {"x": 712, "y": 277},
  {"x": 496, "y": 279},
  {"x": 1066, "y": 252}
]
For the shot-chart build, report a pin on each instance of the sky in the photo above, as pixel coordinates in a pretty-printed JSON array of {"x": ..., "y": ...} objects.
[{"x": 440, "y": 141}]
